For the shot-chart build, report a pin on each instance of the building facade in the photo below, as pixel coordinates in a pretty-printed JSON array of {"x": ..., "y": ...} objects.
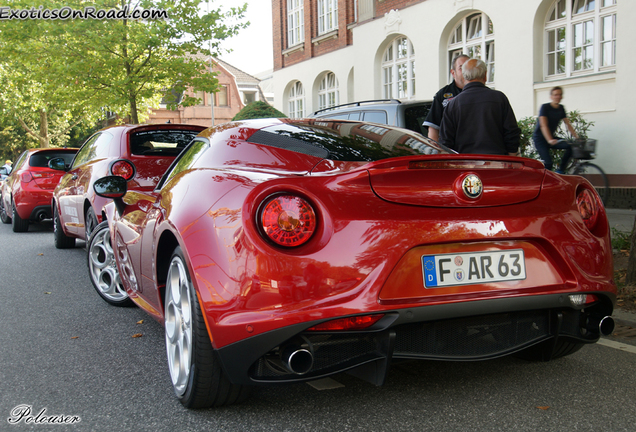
[
  {"x": 236, "y": 89},
  {"x": 329, "y": 52}
]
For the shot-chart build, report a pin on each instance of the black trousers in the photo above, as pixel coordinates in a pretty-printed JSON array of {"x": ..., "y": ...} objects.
[{"x": 543, "y": 148}]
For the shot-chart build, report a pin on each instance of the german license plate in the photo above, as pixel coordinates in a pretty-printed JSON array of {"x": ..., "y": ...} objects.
[{"x": 473, "y": 268}]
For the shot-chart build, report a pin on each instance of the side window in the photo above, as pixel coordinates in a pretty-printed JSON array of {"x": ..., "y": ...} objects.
[
  {"x": 97, "y": 146},
  {"x": 375, "y": 117},
  {"x": 185, "y": 160},
  {"x": 341, "y": 116},
  {"x": 20, "y": 162}
]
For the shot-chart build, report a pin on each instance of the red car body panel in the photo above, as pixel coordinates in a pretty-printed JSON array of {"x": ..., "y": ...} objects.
[
  {"x": 75, "y": 194},
  {"x": 31, "y": 187},
  {"x": 376, "y": 222}
]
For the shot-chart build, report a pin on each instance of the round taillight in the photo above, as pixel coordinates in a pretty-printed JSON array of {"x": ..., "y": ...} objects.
[
  {"x": 288, "y": 220},
  {"x": 123, "y": 168},
  {"x": 587, "y": 204},
  {"x": 25, "y": 177}
]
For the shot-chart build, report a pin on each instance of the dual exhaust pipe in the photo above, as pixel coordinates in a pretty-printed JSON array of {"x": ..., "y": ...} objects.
[{"x": 298, "y": 356}]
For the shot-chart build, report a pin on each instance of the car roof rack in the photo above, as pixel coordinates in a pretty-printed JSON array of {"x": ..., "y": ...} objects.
[{"x": 352, "y": 104}]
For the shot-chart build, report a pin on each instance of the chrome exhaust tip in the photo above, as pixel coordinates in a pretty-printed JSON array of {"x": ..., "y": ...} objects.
[
  {"x": 297, "y": 360},
  {"x": 601, "y": 324},
  {"x": 606, "y": 325}
]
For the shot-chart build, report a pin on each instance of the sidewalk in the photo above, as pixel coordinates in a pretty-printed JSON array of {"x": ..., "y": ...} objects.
[
  {"x": 622, "y": 220},
  {"x": 624, "y": 318}
]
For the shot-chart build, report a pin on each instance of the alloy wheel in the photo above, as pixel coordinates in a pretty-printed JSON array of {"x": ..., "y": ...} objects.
[
  {"x": 178, "y": 325},
  {"x": 103, "y": 268}
]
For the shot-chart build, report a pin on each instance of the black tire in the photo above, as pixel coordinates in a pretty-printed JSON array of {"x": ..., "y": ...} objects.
[
  {"x": 61, "y": 240},
  {"x": 595, "y": 175},
  {"x": 541, "y": 351},
  {"x": 102, "y": 268},
  {"x": 4, "y": 216},
  {"x": 90, "y": 222},
  {"x": 197, "y": 377},
  {"x": 17, "y": 223}
]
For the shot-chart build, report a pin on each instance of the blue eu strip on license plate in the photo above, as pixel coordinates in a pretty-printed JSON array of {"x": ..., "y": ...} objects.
[{"x": 472, "y": 268}]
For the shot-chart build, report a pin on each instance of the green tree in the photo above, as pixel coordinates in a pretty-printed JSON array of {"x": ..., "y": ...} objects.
[
  {"x": 131, "y": 63},
  {"x": 258, "y": 109},
  {"x": 35, "y": 97},
  {"x": 77, "y": 68}
]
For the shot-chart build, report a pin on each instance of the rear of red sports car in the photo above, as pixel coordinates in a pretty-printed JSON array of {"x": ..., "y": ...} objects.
[
  {"x": 339, "y": 249},
  {"x": 280, "y": 251}
]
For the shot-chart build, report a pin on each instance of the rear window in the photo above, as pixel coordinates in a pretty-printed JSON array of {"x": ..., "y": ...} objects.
[
  {"x": 41, "y": 159},
  {"x": 160, "y": 143},
  {"x": 414, "y": 117},
  {"x": 346, "y": 140}
]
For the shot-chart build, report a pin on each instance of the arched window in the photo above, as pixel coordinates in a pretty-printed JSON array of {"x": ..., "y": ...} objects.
[
  {"x": 328, "y": 91},
  {"x": 474, "y": 36},
  {"x": 580, "y": 37},
  {"x": 398, "y": 69},
  {"x": 296, "y": 100}
]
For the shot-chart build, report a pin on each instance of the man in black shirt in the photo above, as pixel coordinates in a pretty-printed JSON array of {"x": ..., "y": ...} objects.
[
  {"x": 479, "y": 120},
  {"x": 444, "y": 96}
]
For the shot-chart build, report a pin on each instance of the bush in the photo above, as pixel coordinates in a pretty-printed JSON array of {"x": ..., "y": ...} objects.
[
  {"x": 256, "y": 110},
  {"x": 620, "y": 241}
]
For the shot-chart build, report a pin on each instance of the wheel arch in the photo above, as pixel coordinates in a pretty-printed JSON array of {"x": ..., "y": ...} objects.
[{"x": 165, "y": 248}]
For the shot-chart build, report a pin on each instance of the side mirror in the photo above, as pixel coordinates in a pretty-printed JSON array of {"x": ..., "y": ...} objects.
[
  {"x": 57, "y": 164},
  {"x": 113, "y": 187}
]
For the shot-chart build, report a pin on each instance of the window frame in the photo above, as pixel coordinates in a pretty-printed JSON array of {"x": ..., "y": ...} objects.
[
  {"x": 295, "y": 22},
  {"x": 223, "y": 92},
  {"x": 584, "y": 41},
  {"x": 398, "y": 70},
  {"x": 328, "y": 93},
  {"x": 327, "y": 16},
  {"x": 296, "y": 100},
  {"x": 465, "y": 38}
]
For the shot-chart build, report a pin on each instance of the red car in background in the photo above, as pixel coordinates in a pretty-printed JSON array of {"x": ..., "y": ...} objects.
[
  {"x": 281, "y": 251},
  {"x": 27, "y": 191},
  {"x": 139, "y": 153}
]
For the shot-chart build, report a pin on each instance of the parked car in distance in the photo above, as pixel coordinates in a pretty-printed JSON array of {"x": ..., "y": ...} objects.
[
  {"x": 409, "y": 114},
  {"x": 27, "y": 191},
  {"x": 139, "y": 153},
  {"x": 284, "y": 250}
]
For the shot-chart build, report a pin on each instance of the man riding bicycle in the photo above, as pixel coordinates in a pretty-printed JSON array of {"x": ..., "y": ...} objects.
[{"x": 550, "y": 115}]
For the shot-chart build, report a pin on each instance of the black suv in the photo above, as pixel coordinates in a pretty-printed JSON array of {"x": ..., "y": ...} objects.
[{"x": 409, "y": 115}]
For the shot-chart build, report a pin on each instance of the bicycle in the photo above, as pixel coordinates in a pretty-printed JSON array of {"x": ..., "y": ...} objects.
[{"x": 583, "y": 150}]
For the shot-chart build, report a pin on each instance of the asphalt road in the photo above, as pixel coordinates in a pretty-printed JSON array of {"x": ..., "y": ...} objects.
[{"x": 65, "y": 351}]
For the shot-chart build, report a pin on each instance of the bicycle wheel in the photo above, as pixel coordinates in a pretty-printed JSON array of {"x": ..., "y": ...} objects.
[{"x": 595, "y": 175}]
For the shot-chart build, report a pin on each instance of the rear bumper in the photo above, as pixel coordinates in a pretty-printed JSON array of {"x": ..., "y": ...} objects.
[
  {"x": 30, "y": 202},
  {"x": 41, "y": 212},
  {"x": 475, "y": 330}
]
